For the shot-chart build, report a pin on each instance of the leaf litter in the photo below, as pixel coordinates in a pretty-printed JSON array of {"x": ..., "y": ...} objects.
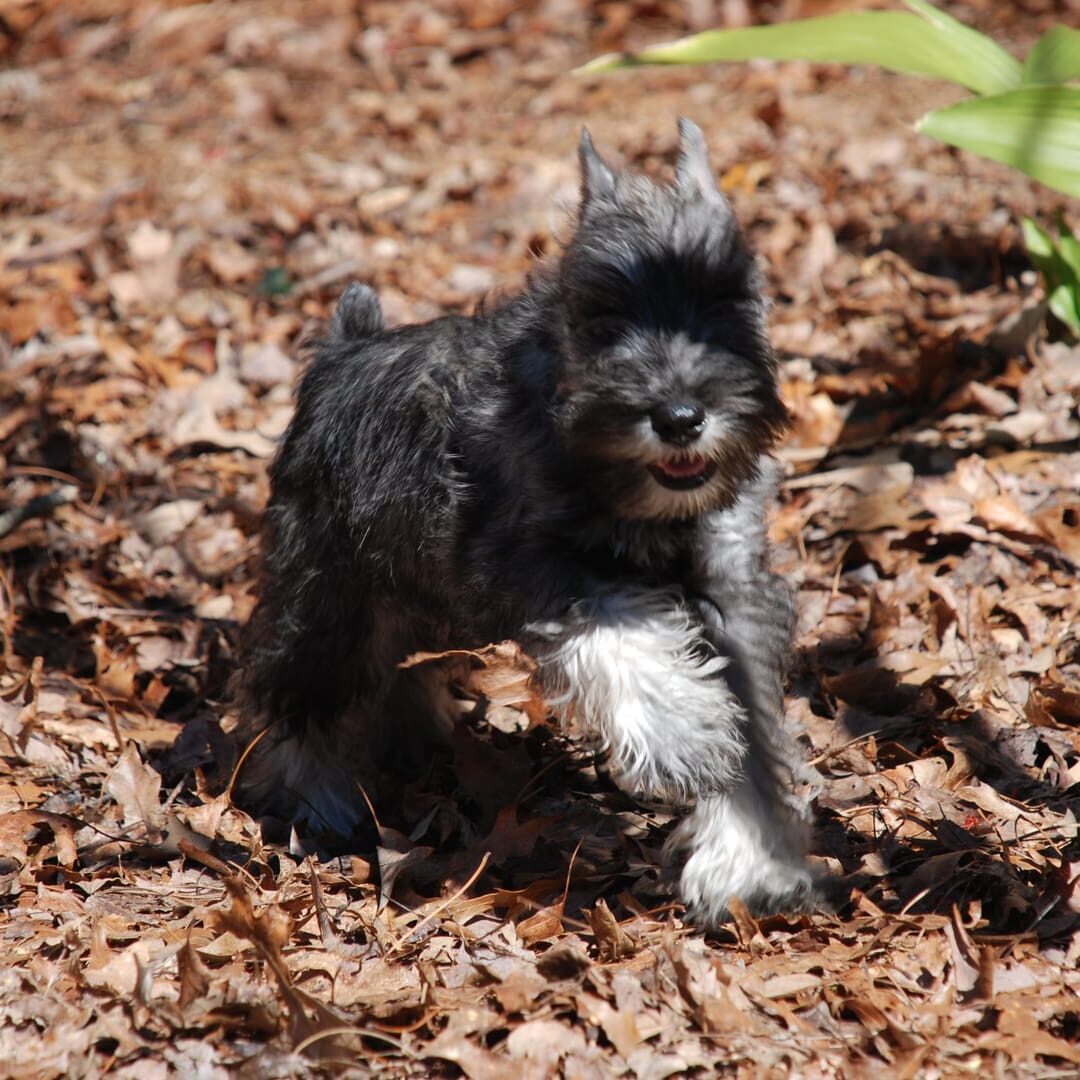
[{"x": 186, "y": 189}]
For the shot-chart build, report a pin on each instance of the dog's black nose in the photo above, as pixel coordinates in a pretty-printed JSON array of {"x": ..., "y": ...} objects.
[{"x": 678, "y": 422}]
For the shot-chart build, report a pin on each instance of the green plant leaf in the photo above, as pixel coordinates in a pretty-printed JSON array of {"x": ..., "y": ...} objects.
[
  {"x": 897, "y": 40},
  {"x": 1059, "y": 264},
  {"x": 1035, "y": 129},
  {"x": 1054, "y": 58},
  {"x": 1069, "y": 249},
  {"x": 275, "y": 282},
  {"x": 1039, "y": 243},
  {"x": 1064, "y": 302},
  {"x": 1002, "y": 71}
]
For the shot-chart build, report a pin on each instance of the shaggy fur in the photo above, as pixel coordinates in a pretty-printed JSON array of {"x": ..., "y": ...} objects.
[{"x": 585, "y": 469}]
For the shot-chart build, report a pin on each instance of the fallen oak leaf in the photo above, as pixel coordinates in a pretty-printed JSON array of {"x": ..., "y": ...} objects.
[
  {"x": 474, "y": 1061},
  {"x": 395, "y": 851},
  {"x": 972, "y": 964},
  {"x": 506, "y": 680},
  {"x": 442, "y": 906},
  {"x": 500, "y": 674},
  {"x": 563, "y": 962},
  {"x": 517, "y": 992},
  {"x": 327, "y": 932},
  {"x": 511, "y": 837},
  {"x": 136, "y": 787},
  {"x": 866, "y": 479},
  {"x": 115, "y": 672},
  {"x": 619, "y": 1025},
  {"x": 195, "y": 976},
  {"x": 17, "y": 721},
  {"x": 612, "y": 942},
  {"x": 1061, "y": 524},
  {"x": 198, "y": 853},
  {"x": 543, "y": 924},
  {"x": 1022, "y": 1038},
  {"x": 396, "y": 854},
  {"x": 548, "y": 921},
  {"x": 703, "y": 992},
  {"x": 791, "y": 985},
  {"x": 545, "y": 1042},
  {"x": 198, "y": 426},
  {"x": 746, "y": 928},
  {"x": 1001, "y": 514},
  {"x": 269, "y": 931},
  {"x": 511, "y": 900},
  {"x": 18, "y": 827}
]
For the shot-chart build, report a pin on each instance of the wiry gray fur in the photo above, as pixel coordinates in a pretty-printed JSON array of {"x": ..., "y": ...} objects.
[{"x": 584, "y": 468}]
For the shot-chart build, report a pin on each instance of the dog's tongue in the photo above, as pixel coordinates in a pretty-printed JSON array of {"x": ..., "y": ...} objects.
[{"x": 683, "y": 467}]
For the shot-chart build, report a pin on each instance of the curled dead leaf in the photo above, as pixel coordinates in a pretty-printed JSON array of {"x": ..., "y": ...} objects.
[
  {"x": 544, "y": 924},
  {"x": 612, "y": 942}
]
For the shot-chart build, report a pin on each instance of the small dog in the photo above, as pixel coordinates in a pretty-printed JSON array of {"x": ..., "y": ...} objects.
[{"x": 584, "y": 469}]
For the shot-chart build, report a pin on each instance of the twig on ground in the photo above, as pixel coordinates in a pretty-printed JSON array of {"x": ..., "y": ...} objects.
[{"x": 38, "y": 506}]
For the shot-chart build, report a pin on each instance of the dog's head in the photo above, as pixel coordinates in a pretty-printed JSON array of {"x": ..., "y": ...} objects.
[{"x": 668, "y": 390}]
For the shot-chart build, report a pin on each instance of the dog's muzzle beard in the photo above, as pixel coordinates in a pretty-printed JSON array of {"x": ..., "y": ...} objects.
[
  {"x": 639, "y": 480},
  {"x": 672, "y": 489}
]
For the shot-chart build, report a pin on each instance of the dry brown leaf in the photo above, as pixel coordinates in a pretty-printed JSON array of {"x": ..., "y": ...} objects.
[
  {"x": 19, "y": 827},
  {"x": 612, "y": 942},
  {"x": 545, "y": 924},
  {"x": 136, "y": 787},
  {"x": 564, "y": 961},
  {"x": 397, "y": 855},
  {"x": 195, "y": 976}
]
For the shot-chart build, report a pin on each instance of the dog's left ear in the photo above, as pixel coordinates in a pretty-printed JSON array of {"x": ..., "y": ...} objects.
[
  {"x": 597, "y": 178},
  {"x": 693, "y": 174}
]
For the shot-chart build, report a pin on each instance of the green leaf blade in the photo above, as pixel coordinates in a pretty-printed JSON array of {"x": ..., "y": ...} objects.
[
  {"x": 1035, "y": 129},
  {"x": 1064, "y": 302},
  {"x": 1001, "y": 71},
  {"x": 1054, "y": 58},
  {"x": 1069, "y": 250},
  {"x": 897, "y": 40},
  {"x": 1039, "y": 243}
]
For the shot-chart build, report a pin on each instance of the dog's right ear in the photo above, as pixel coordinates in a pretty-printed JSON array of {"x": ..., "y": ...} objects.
[
  {"x": 597, "y": 178},
  {"x": 694, "y": 177}
]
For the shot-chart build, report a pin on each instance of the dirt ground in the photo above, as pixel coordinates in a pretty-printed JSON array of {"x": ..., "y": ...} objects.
[{"x": 185, "y": 190}]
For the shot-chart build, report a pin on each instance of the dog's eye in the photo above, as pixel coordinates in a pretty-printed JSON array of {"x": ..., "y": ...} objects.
[{"x": 603, "y": 331}]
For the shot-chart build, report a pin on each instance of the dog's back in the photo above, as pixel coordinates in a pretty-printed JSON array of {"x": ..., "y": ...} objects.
[{"x": 377, "y": 495}]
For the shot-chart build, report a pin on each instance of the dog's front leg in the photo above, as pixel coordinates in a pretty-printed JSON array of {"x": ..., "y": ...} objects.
[
  {"x": 749, "y": 840},
  {"x": 633, "y": 668}
]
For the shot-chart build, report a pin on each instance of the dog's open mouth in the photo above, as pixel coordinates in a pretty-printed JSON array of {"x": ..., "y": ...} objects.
[{"x": 683, "y": 472}]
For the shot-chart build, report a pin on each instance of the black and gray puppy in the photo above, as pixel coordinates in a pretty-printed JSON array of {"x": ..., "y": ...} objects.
[{"x": 585, "y": 469}]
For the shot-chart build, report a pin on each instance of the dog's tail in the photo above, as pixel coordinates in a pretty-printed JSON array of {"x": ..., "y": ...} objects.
[{"x": 358, "y": 314}]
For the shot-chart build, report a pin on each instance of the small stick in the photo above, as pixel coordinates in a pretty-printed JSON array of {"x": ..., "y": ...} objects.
[{"x": 38, "y": 506}]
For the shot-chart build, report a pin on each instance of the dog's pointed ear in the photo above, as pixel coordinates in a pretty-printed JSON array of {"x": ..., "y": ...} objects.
[
  {"x": 693, "y": 174},
  {"x": 597, "y": 178}
]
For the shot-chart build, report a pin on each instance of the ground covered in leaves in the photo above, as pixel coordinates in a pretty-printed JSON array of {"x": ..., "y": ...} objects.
[{"x": 185, "y": 189}]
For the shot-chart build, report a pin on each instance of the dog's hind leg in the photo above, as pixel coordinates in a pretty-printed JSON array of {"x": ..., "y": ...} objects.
[{"x": 416, "y": 720}]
